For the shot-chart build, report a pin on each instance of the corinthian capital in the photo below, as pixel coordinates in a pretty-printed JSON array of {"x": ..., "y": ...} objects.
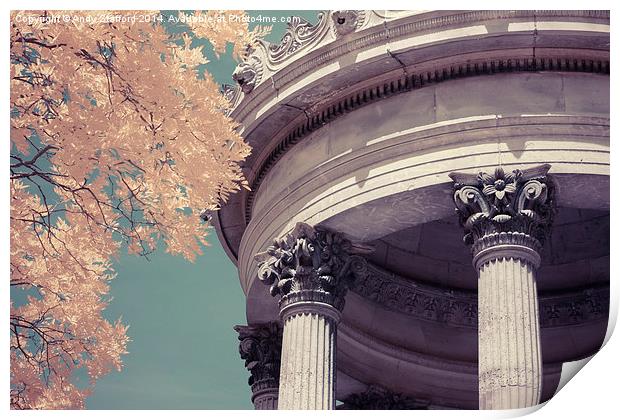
[
  {"x": 260, "y": 346},
  {"x": 309, "y": 264},
  {"x": 517, "y": 202}
]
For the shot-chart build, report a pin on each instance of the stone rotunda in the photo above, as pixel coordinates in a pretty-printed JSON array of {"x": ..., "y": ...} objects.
[{"x": 428, "y": 220}]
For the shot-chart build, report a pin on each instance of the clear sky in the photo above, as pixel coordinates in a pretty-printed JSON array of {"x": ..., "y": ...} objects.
[{"x": 184, "y": 352}]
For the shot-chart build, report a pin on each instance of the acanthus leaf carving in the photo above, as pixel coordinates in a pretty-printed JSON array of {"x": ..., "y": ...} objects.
[
  {"x": 520, "y": 201},
  {"x": 260, "y": 346},
  {"x": 298, "y": 34},
  {"x": 310, "y": 263}
]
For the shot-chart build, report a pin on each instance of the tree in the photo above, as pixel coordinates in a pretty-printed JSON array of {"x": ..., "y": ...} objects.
[{"x": 116, "y": 140}]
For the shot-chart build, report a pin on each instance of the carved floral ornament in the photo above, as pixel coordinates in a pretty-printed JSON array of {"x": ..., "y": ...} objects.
[
  {"x": 299, "y": 34},
  {"x": 260, "y": 346},
  {"x": 520, "y": 201},
  {"x": 310, "y": 263},
  {"x": 460, "y": 308},
  {"x": 379, "y": 398},
  {"x": 264, "y": 58}
]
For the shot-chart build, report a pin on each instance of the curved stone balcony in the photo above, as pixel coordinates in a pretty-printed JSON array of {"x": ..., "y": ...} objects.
[{"x": 355, "y": 124}]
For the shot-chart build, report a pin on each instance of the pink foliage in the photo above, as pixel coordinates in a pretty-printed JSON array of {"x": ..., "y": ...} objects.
[{"x": 131, "y": 147}]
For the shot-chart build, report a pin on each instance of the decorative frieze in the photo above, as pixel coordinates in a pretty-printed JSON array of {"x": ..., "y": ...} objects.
[
  {"x": 404, "y": 295},
  {"x": 379, "y": 398},
  {"x": 587, "y": 305},
  {"x": 460, "y": 308}
]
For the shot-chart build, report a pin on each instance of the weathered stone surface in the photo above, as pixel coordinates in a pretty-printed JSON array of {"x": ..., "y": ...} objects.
[
  {"x": 506, "y": 218},
  {"x": 379, "y": 398},
  {"x": 248, "y": 74},
  {"x": 509, "y": 351},
  {"x": 308, "y": 377},
  {"x": 308, "y": 265},
  {"x": 518, "y": 204},
  {"x": 356, "y": 130},
  {"x": 260, "y": 346}
]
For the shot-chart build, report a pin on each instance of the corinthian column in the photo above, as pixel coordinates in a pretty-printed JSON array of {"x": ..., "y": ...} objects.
[
  {"x": 309, "y": 270},
  {"x": 260, "y": 346},
  {"x": 506, "y": 217}
]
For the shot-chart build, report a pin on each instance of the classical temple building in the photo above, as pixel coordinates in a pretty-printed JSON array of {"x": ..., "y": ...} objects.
[{"x": 428, "y": 220}]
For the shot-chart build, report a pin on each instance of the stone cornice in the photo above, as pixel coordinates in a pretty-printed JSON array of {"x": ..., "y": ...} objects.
[
  {"x": 447, "y": 133},
  {"x": 460, "y": 308},
  {"x": 302, "y": 38},
  {"x": 274, "y": 120},
  {"x": 405, "y": 83},
  {"x": 389, "y": 27}
]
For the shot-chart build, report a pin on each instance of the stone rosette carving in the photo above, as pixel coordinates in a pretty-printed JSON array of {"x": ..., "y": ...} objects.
[
  {"x": 347, "y": 21},
  {"x": 379, "y": 398},
  {"x": 260, "y": 346},
  {"x": 492, "y": 208},
  {"x": 309, "y": 264}
]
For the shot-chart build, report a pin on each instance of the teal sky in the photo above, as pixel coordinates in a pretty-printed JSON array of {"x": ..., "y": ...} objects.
[{"x": 184, "y": 352}]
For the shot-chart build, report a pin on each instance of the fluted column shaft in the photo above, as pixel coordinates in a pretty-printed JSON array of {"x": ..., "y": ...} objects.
[
  {"x": 308, "y": 371},
  {"x": 265, "y": 399},
  {"x": 507, "y": 217},
  {"x": 509, "y": 352},
  {"x": 310, "y": 269}
]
